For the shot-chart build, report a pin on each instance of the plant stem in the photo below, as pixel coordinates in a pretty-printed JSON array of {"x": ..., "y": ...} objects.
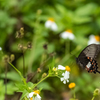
[
  {"x": 67, "y": 47},
  {"x": 18, "y": 73},
  {"x": 93, "y": 98},
  {"x": 74, "y": 95},
  {"x": 23, "y": 64},
  {"x": 40, "y": 81},
  {"x": 6, "y": 79}
]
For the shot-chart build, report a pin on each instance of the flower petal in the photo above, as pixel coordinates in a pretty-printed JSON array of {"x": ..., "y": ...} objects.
[
  {"x": 64, "y": 82},
  {"x": 38, "y": 96},
  {"x": 64, "y": 35},
  {"x": 54, "y": 26},
  {"x": 61, "y": 79},
  {"x": 0, "y": 48},
  {"x": 30, "y": 95},
  {"x": 66, "y": 76},
  {"x": 67, "y": 80},
  {"x": 61, "y": 67},
  {"x": 63, "y": 74},
  {"x": 48, "y": 24}
]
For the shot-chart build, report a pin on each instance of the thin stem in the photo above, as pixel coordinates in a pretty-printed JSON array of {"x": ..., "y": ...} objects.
[
  {"x": 23, "y": 64},
  {"x": 93, "y": 98},
  {"x": 6, "y": 79},
  {"x": 35, "y": 38},
  {"x": 40, "y": 81},
  {"x": 32, "y": 53},
  {"x": 67, "y": 47},
  {"x": 18, "y": 73},
  {"x": 74, "y": 95}
]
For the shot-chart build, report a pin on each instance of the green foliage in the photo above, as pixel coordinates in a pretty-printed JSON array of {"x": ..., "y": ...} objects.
[{"x": 81, "y": 16}]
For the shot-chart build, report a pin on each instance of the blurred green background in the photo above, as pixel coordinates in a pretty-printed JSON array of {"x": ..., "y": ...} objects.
[{"x": 81, "y": 16}]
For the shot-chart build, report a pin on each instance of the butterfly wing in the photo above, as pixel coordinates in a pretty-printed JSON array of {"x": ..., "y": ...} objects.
[{"x": 90, "y": 51}]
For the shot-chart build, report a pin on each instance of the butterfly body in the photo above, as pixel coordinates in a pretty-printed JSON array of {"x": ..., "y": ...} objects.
[{"x": 88, "y": 58}]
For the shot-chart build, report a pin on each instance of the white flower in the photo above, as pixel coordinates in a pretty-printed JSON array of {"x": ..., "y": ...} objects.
[
  {"x": 67, "y": 68},
  {"x": 51, "y": 24},
  {"x": 34, "y": 96},
  {"x": 66, "y": 74},
  {"x": 30, "y": 95},
  {"x": 61, "y": 67},
  {"x": 65, "y": 77},
  {"x": 67, "y": 34},
  {"x": 0, "y": 48},
  {"x": 93, "y": 39}
]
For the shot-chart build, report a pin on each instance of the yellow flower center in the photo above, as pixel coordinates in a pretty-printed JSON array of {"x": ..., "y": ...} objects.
[
  {"x": 31, "y": 98},
  {"x": 36, "y": 92},
  {"x": 70, "y": 31},
  {"x": 97, "y": 38},
  {"x": 51, "y": 19},
  {"x": 71, "y": 85},
  {"x": 54, "y": 69},
  {"x": 67, "y": 68}
]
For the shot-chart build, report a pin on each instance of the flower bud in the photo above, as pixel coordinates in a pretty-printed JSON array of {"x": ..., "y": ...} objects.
[
  {"x": 20, "y": 33},
  {"x": 39, "y": 70},
  {"x": 6, "y": 58},
  {"x": 20, "y": 46},
  {"x": 96, "y": 92},
  {"x": 12, "y": 57},
  {"x": 39, "y": 11},
  {"x": 44, "y": 75},
  {"x": 29, "y": 45}
]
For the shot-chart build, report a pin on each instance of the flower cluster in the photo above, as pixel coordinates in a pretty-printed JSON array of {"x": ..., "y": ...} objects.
[
  {"x": 65, "y": 74},
  {"x": 34, "y": 95}
]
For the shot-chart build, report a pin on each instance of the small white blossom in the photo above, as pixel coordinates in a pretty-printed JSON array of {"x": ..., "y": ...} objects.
[
  {"x": 93, "y": 39},
  {"x": 67, "y": 34},
  {"x": 51, "y": 24},
  {"x": 0, "y": 48},
  {"x": 61, "y": 67},
  {"x": 34, "y": 96},
  {"x": 30, "y": 95},
  {"x": 65, "y": 77}
]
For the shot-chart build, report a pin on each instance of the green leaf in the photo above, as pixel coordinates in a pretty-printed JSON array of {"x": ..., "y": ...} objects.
[
  {"x": 20, "y": 86},
  {"x": 12, "y": 75},
  {"x": 86, "y": 10},
  {"x": 81, "y": 20},
  {"x": 45, "y": 86},
  {"x": 30, "y": 84},
  {"x": 25, "y": 93}
]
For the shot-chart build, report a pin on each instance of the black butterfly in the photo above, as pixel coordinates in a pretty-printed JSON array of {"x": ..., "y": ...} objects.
[{"x": 88, "y": 58}]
